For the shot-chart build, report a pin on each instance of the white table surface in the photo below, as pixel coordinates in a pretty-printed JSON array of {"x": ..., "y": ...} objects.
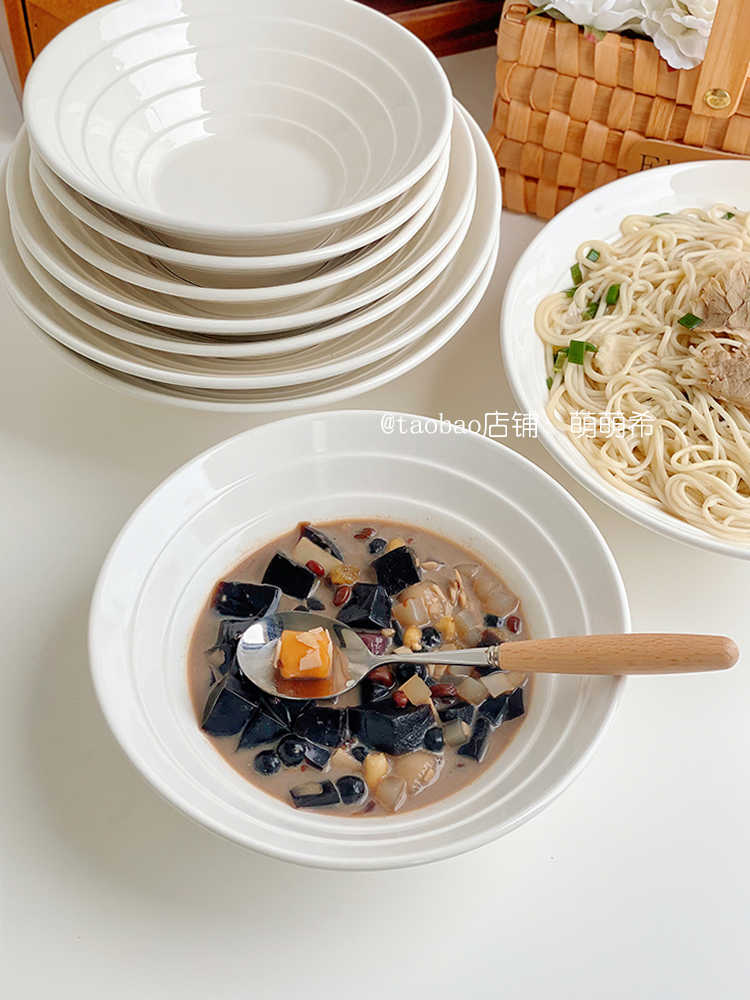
[{"x": 634, "y": 884}]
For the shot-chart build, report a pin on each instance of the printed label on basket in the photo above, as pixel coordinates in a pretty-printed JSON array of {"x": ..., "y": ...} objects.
[{"x": 648, "y": 153}]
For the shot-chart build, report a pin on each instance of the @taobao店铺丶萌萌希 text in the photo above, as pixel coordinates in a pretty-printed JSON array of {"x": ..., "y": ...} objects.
[{"x": 500, "y": 425}]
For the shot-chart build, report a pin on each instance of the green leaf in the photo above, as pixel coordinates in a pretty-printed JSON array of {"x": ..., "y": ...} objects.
[
  {"x": 597, "y": 33},
  {"x": 547, "y": 10}
]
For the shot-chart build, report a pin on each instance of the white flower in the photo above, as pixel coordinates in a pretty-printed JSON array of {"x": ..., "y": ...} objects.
[
  {"x": 680, "y": 29},
  {"x": 605, "y": 15}
]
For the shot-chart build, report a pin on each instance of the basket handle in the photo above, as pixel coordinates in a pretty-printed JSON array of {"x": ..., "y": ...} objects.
[{"x": 725, "y": 68}]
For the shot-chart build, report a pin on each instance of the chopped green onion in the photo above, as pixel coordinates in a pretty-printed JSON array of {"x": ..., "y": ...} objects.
[
  {"x": 591, "y": 309},
  {"x": 689, "y": 321},
  {"x": 576, "y": 274},
  {"x": 570, "y": 292},
  {"x": 728, "y": 216},
  {"x": 613, "y": 294},
  {"x": 662, "y": 215},
  {"x": 577, "y": 351},
  {"x": 559, "y": 359},
  {"x": 593, "y": 255},
  {"x": 549, "y": 382}
]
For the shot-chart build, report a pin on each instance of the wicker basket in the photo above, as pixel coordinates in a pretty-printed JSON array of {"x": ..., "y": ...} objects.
[{"x": 572, "y": 114}]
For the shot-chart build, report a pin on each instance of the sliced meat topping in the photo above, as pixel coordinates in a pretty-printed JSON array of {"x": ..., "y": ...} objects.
[
  {"x": 613, "y": 350},
  {"x": 727, "y": 373},
  {"x": 724, "y": 303}
]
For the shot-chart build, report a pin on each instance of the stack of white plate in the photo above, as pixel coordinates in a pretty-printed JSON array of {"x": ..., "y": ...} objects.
[{"x": 245, "y": 204}]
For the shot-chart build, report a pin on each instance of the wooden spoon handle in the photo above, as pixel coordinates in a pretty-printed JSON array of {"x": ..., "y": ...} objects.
[{"x": 658, "y": 653}]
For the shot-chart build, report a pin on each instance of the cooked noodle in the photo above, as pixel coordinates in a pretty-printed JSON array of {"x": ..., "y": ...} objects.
[{"x": 696, "y": 462}]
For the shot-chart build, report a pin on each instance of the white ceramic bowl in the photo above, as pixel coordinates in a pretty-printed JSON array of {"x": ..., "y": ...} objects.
[
  {"x": 303, "y": 115},
  {"x": 427, "y": 232},
  {"x": 252, "y": 310},
  {"x": 544, "y": 268},
  {"x": 229, "y": 270},
  {"x": 242, "y": 493}
]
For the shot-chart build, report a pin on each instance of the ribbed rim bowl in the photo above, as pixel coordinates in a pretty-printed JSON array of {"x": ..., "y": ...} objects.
[
  {"x": 128, "y": 90},
  {"x": 385, "y": 289},
  {"x": 245, "y": 491},
  {"x": 355, "y": 236},
  {"x": 420, "y": 240}
]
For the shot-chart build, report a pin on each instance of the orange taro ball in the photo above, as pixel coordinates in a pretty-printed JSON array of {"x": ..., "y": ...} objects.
[{"x": 305, "y": 655}]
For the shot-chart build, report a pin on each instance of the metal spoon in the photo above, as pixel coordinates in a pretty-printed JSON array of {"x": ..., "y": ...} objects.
[{"x": 659, "y": 653}]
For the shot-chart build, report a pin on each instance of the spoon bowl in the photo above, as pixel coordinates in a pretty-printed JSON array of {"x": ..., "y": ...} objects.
[{"x": 257, "y": 655}]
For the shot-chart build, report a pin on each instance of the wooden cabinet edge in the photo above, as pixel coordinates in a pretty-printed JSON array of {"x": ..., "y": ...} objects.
[
  {"x": 448, "y": 27},
  {"x": 454, "y": 26},
  {"x": 14, "y": 44}
]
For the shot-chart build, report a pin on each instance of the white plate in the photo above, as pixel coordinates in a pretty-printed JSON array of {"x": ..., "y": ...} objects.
[
  {"x": 43, "y": 304},
  {"x": 284, "y": 398},
  {"x": 430, "y": 228},
  {"x": 543, "y": 268},
  {"x": 299, "y": 367},
  {"x": 484, "y": 240},
  {"x": 149, "y": 99},
  {"x": 203, "y": 268},
  {"x": 196, "y": 385},
  {"x": 244, "y": 492},
  {"x": 423, "y": 258}
]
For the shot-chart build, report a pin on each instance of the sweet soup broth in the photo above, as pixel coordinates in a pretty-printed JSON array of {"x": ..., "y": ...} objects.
[{"x": 450, "y": 735}]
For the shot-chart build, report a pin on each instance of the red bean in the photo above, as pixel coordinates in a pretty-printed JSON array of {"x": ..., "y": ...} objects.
[
  {"x": 443, "y": 691},
  {"x": 382, "y": 675},
  {"x": 400, "y": 699},
  {"x": 514, "y": 624},
  {"x": 341, "y": 596},
  {"x": 315, "y": 567},
  {"x": 365, "y": 533}
]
